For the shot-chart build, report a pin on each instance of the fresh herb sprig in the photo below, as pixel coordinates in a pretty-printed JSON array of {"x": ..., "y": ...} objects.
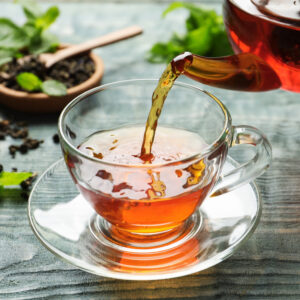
[
  {"x": 30, "y": 38},
  {"x": 205, "y": 35}
]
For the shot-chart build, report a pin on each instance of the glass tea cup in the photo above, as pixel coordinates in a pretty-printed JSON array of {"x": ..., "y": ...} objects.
[{"x": 149, "y": 204}]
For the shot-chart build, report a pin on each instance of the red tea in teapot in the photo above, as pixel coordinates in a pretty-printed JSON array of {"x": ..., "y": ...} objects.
[{"x": 269, "y": 29}]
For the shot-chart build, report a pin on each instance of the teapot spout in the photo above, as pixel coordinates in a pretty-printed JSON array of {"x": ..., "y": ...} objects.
[{"x": 244, "y": 72}]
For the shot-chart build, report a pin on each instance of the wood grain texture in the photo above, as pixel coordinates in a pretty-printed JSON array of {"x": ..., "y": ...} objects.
[{"x": 267, "y": 266}]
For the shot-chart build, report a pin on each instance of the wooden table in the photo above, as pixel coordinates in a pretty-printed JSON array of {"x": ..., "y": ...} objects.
[{"x": 266, "y": 267}]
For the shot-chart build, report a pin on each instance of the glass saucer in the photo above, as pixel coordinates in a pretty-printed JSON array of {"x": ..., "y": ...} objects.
[{"x": 67, "y": 226}]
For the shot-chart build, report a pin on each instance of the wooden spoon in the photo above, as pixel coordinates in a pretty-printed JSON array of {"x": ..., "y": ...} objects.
[{"x": 49, "y": 59}]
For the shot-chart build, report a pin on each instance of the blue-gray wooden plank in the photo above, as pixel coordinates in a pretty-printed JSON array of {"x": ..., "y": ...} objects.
[{"x": 266, "y": 267}]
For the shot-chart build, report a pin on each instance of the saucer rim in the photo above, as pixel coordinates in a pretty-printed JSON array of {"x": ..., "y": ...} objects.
[{"x": 101, "y": 271}]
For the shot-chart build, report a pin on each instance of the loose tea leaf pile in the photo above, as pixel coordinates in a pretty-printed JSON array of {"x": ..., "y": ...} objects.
[
  {"x": 21, "y": 45},
  {"x": 70, "y": 72}
]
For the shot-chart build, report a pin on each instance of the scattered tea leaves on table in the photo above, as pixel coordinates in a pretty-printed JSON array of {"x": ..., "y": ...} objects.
[
  {"x": 27, "y": 183},
  {"x": 205, "y": 35},
  {"x": 18, "y": 130},
  {"x": 55, "y": 138},
  {"x": 54, "y": 88},
  {"x": 29, "y": 81},
  {"x": 28, "y": 144}
]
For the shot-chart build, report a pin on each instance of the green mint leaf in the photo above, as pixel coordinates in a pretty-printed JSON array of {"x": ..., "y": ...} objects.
[
  {"x": 29, "y": 82},
  {"x": 172, "y": 6},
  {"x": 34, "y": 37},
  {"x": 48, "y": 43},
  {"x": 199, "y": 40},
  {"x": 158, "y": 53},
  {"x": 13, "y": 178},
  {"x": 47, "y": 18},
  {"x": 191, "y": 7},
  {"x": 221, "y": 46},
  {"x": 30, "y": 29},
  {"x": 30, "y": 8},
  {"x": 205, "y": 35},
  {"x": 165, "y": 52},
  {"x": 195, "y": 20},
  {"x": 6, "y": 55},
  {"x": 19, "y": 55},
  {"x": 54, "y": 88},
  {"x": 12, "y": 36}
]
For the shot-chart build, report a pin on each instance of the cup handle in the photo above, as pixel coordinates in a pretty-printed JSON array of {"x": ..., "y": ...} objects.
[{"x": 251, "y": 169}]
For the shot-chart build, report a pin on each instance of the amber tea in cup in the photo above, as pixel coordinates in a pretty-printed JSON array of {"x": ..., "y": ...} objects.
[
  {"x": 141, "y": 197},
  {"x": 148, "y": 200}
]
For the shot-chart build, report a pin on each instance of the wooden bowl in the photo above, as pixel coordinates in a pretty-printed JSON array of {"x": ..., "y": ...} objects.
[{"x": 42, "y": 103}]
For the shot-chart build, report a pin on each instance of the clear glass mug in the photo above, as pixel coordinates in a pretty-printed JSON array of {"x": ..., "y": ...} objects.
[{"x": 138, "y": 216}]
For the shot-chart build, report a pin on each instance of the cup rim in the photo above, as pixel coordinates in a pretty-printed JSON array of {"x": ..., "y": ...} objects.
[{"x": 209, "y": 149}]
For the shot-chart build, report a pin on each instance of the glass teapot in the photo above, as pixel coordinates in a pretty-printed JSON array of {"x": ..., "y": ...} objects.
[{"x": 265, "y": 35}]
